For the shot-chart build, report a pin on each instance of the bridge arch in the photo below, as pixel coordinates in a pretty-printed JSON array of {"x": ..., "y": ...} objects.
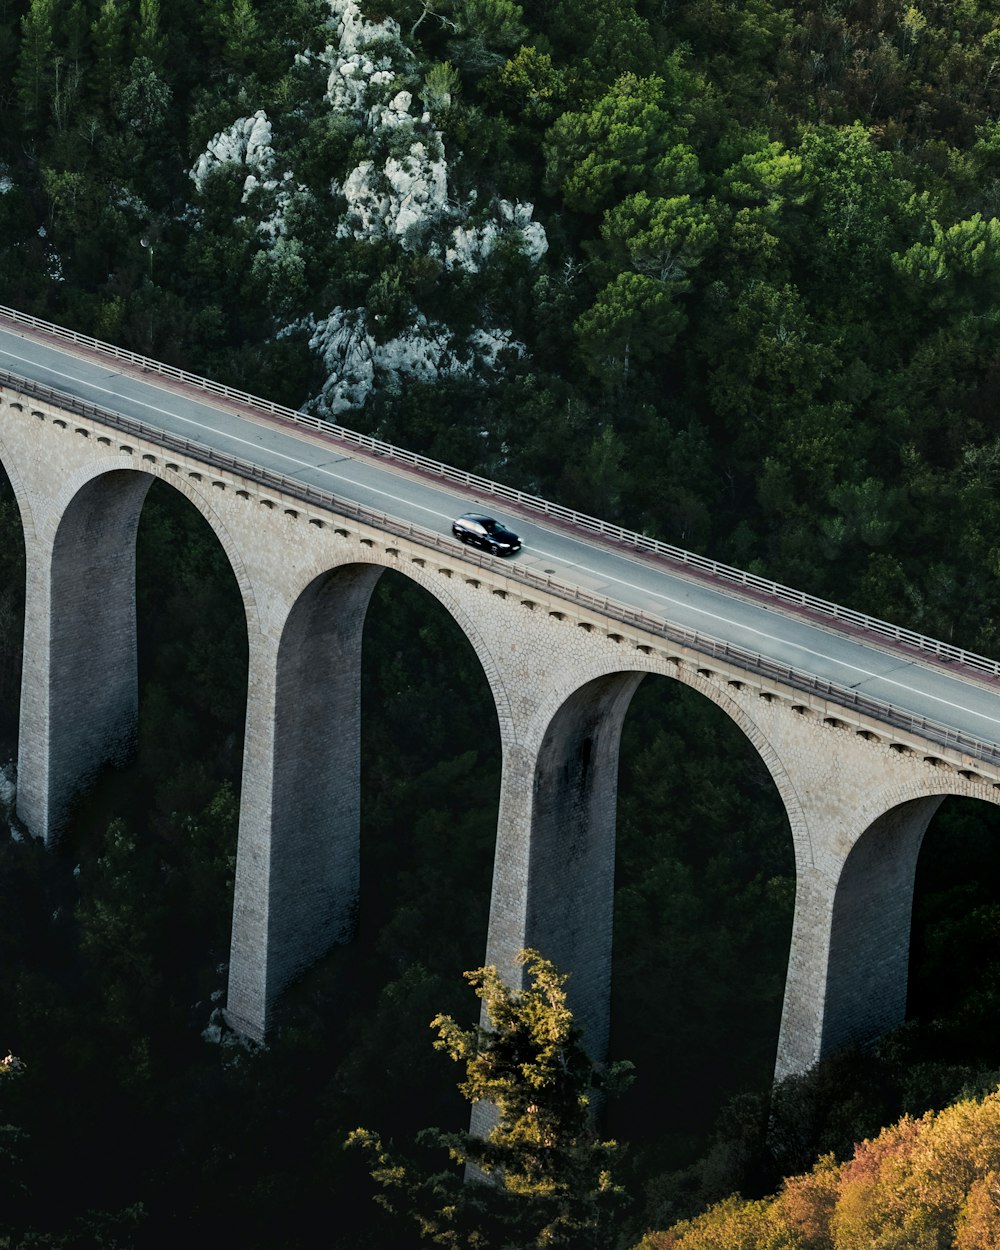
[
  {"x": 80, "y": 690},
  {"x": 320, "y": 577},
  {"x": 872, "y": 906},
  {"x": 560, "y": 841},
  {"x": 740, "y": 710},
  {"x": 705, "y": 877},
  {"x": 74, "y": 487},
  {"x": 953, "y": 951},
  {"x": 870, "y": 926},
  {"x": 302, "y": 784}
]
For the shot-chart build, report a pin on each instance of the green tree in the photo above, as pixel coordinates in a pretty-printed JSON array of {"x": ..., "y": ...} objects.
[
  {"x": 152, "y": 43},
  {"x": 634, "y": 318},
  {"x": 661, "y": 238},
  {"x": 600, "y": 39},
  {"x": 144, "y": 98},
  {"x": 957, "y": 270},
  {"x": 483, "y": 32},
  {"x": 441, "y": 85},
  {"x": 36, "y": 66},
  {"x": 632, "y": 139},
  {"x": 549, "y": 1177},
  {"x": 108, "y": 33},
  {"x": 240, "y": 29},
  {"x": 531, "y": 84},
  {"x": 69, "y": 66}
]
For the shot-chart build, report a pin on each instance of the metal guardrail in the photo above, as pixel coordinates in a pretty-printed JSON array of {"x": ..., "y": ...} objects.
[
  {"x": 751, "y": 662},
  {"x": 523, "y": 502}
]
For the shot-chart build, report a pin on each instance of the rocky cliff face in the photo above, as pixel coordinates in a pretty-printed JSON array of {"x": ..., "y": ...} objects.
[{"x": 400, "y": 193}]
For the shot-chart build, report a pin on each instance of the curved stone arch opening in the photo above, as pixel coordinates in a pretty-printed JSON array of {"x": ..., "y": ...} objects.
[
  {"x": 80, "y": 709},
  {"x": 310, "y": 820},
  {"x": 574, "y": 836},
  {"x": 870, "y": 936},
  {"x": 707, "y": 866},
  {"x": 922, "y": 782},
  {"x": 738, "y": 706},
  {"x": 444, "y": 591},
  {"x": 72, "y": 485},
  {"x": 953, "y": 935},
  {"x": 566, "y": 848}
]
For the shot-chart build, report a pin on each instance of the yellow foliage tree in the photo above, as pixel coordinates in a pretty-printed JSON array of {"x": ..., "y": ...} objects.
[{"x": 922, "y": 1184}]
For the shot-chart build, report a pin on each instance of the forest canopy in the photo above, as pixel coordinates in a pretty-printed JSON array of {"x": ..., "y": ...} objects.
[{"x": 727, "y": 273}]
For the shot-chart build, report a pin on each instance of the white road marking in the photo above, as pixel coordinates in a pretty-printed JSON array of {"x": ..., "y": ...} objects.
[
  {"x": 866, "y": 674},
  {"x": 798, "y": 646}
]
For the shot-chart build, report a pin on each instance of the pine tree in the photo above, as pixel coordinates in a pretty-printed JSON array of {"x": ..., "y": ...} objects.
[
  {"x": 541, "y": 1176},
  {"x": 36, "y": 67},
  {"x": 108, "y": 33},
  {"x": 152, "y": 42}
]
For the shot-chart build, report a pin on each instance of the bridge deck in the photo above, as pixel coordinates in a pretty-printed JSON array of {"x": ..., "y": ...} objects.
[{"x": 957, "y": 697}]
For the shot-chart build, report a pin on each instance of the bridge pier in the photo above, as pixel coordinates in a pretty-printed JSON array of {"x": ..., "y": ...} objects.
[
  {"x": 79, "y": 682},
  {"x": 849, "y": 957},
  {"x": 553, "y": 885},
  {"x": 553, "y": 876},
  {"x": 297, "y": 868}
]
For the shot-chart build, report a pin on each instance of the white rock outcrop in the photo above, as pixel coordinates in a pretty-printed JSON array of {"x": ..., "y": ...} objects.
[
  {"x": 426, "y": 352},
  {"x": 246, "y": 142},
  {"x": 400, "y": 193}
]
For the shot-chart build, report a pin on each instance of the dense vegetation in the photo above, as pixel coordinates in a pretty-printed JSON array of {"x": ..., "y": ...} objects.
[
  {"x": 764, "y": 327},
  {"x": 921, "y": 1183},
  {"x": 552, "y": 1179}
]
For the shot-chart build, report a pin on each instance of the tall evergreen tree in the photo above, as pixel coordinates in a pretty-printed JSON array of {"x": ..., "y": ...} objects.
[
  {"x": 36, "y": 68},
  {"x": 108, "y": 33},
  {"x": 549, "y": 1177}
]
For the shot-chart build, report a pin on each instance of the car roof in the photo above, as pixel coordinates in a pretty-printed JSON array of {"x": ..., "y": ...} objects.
[{"x": 474, "y": 516}]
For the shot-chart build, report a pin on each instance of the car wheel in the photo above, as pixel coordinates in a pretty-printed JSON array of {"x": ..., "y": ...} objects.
[{"x": 494, "y": 549}]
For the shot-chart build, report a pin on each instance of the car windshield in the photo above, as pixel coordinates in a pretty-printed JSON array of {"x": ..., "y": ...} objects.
[{"x": 494, "y": 527}]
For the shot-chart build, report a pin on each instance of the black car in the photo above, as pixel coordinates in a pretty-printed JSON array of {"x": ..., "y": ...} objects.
[{"x": 483, "y": 531}]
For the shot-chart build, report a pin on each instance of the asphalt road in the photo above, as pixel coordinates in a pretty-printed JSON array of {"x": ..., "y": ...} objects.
[{"x": 897, "y": 678}]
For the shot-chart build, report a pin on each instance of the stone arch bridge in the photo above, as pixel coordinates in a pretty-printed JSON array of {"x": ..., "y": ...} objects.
[{"x": 859, "y": 778}]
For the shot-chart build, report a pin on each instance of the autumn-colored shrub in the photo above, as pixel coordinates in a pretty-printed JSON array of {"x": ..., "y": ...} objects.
[
  {"x": 978, "y": 1226},
  {"x": 807, "y": 1203},
  {"x": 921, "y": 1184}
]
